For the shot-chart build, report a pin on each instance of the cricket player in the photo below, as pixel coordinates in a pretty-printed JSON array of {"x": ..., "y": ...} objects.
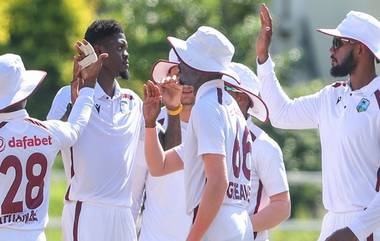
[
  {"x": 99, "y": 167},
  {"x": 213, "y": 155},
  {"x": 270, "y": 202},
  {"x": 164, "y": 202},
  {"x": 28, "y": 146},
  {"x": 347, "y": 116}
]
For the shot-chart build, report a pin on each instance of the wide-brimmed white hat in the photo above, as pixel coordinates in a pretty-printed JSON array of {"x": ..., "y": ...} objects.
[
  {"x": 361, "y": 27},
  {"x": 249, "y": 84},
  {"x": 16, "y": 83},
  {"x": 162, "y": 67},
  {"x": 206, "y": 50}
]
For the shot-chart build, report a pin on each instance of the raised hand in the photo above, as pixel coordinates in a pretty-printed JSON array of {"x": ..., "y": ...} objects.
[
  {"x": 265, "y": 36},
  {"x": 152, "y": 104},
  {"x": 90, "y": 73},
  {"x": 171, "y": 92}
]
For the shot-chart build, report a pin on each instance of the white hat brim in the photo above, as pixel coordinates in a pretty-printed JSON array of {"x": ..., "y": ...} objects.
[
  {"x": 259, "y": 109},
  {"x": 29, "y": 81},
  {"x": 195, "y": 59},
  {"x": 161, "y": 69},
  {"x": 337, "y": 33},
  {"x": 332, "y": 32}
]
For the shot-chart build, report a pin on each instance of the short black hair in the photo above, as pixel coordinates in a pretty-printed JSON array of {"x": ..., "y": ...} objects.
[{"x": 101, "y": 29}]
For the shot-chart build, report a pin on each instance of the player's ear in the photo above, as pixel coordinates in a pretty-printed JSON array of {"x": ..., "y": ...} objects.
[{"x": 98, "y": 49}]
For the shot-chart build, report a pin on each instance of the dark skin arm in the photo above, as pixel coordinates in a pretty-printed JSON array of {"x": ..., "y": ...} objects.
[
  {"x": 172, "y": 137},
  {"x": 171, "y": 96},
  {"x": 344, "y": 234}
]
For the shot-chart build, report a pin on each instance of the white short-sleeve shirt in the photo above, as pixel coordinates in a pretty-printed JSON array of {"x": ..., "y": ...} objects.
[
  {"x": 99, "y": 165},
  {"x": 268, "y": 174},
  {"x": 216, "y": 126}
]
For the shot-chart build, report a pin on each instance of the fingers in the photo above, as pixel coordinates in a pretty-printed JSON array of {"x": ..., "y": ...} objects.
[
  {"x": 265, "y": 18},
  {"x": 145, "y": 91},
  {"x": 79, "y": 51},
  {"x": 172, "y": 78},
  {"x": 151, "y": 90},
  {"x": 170, "y": 82},
  {"x": 85, "y": 54}
]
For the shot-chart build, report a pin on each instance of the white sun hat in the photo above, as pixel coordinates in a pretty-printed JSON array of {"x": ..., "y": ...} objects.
[
  {"x": 249, "y": 85},
  {"x": 206, "y": 50},
  {"x": 361, "y": 27},
  {"x": 162, "y": 67},
  {"x": 16, "y": 83}
]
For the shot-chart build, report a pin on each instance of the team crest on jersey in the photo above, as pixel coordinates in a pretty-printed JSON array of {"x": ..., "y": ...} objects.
[
  {"x": 124, "y": 107},
  {"x": 363, "y": 105},
  {"x": 2, "y": 144}
]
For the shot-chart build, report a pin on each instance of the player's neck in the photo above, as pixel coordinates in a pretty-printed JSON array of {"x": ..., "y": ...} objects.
[
  {"x": 107, "y": 83},
  {"x": 362, "y": 76}
]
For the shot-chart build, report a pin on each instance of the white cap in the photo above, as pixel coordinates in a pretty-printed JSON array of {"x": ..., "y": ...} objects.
[
  {"x": 249, "y": 84},
  {"x": 16, "y": 83},
  {"x": 361, "y": 27},
  {"x": 206, "y": 50}
]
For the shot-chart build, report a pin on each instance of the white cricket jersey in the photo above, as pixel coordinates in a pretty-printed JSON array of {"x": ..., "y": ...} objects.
[
  {"x": 216, "y": 126},
  {"x": 165, "y": 203},
  {"x": 28, "y": 148},
  {"x": 99, "y": 165},
  {"x": 268, "y": 176},
  {"x": 348, "y": 123}
]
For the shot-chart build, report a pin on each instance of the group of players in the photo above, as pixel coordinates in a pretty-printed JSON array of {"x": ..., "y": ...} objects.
[{"x": 220, "y": 178}]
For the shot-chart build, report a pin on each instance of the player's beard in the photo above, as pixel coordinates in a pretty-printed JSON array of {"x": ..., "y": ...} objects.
[
  {"x": 124, "y": 74},
  {"x": 346, "y": 67}
]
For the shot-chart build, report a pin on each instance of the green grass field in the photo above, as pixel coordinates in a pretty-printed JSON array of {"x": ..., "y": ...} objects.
[{"x": 58, "y": 189}]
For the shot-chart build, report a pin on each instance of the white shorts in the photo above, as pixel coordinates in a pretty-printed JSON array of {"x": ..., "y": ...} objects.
[
  {"x": 334, "y": 221},
  {"x": 230, "y": 224},
  {"x": 96, "y": 222},
  {"x": 21, "y": 235}
]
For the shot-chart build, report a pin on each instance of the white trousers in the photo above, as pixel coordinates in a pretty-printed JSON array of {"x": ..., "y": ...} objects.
[
  {"x": 334, "y": 221},
  {"x": 95, "y": 222}
]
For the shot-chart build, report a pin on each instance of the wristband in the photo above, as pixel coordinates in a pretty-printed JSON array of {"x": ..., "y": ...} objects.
[{"x": 176, "y": 111}]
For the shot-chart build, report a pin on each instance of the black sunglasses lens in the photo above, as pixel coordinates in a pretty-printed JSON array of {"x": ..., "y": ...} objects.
[{"x": 337, "y": 43}]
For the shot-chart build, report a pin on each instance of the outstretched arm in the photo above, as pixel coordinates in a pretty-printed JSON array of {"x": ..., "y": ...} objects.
[{"x": 301, "y": 113}]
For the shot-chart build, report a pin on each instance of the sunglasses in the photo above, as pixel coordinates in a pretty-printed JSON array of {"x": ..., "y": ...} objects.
[
  {"x": 339, "y": 42},
  {"x": 230, "y": 88}
]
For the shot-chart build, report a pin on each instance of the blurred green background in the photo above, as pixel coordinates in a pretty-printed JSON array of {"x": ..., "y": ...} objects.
[{"x": 43, "y": 33}]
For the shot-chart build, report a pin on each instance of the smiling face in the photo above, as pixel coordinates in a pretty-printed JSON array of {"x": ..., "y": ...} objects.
[{"x": 117, "y": 62}]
